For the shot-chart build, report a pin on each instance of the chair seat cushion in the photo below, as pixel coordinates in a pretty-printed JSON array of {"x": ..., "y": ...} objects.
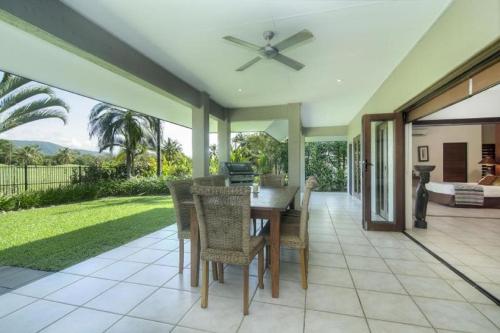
[{"x": 235, "y": 257}]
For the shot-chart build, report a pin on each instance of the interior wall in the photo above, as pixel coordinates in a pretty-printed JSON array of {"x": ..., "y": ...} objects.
[
  {"x": 465, "y": 28},
  {"x": 488, "y": 133},
  {"x": 434, "y": 138}
]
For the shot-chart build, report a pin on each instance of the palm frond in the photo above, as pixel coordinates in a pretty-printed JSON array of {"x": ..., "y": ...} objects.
[
  {"x": 35, "y": 115},
  {"x": 17, "y": 97},
  {"x": 11, "y": 82},
  {"x": 38, "y": 106}
]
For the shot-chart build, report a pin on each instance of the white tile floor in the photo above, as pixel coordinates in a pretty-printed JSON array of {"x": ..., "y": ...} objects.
[
  {"x": 468, "y": 238},
  {"x": 359, "y": 282}
]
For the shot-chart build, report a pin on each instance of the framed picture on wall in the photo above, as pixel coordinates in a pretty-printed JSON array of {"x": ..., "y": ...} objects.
[{"x": 423, "y": 153}]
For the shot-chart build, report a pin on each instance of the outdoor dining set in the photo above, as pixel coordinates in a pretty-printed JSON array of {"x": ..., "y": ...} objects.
[{"x": 221, "y": 224}]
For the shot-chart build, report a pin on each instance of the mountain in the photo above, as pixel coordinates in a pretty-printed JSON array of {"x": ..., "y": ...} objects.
[{"x": 49, "y": 148}]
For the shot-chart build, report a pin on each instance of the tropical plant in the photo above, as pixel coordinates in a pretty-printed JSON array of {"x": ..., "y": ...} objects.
[
  {"x": 157, "y": 134},
  {"x": 23, "y": 101},
  {"x": 65, "y": 156},
  {"x": 116, "y": 127},
  {"x": 28, "y": 155},
  {"x": 328, "y": 162},
  {"x": 213, "y": 159},
  {"x": 171, "y": 149},
  {"x": 6, "y": 150}
]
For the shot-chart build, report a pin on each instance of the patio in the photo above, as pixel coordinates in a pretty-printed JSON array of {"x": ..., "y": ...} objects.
[{"x": 367, "y": 282}]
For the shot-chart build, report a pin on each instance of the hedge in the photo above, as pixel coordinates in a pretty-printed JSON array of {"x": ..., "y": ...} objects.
[{"x": 84, "y": 192}]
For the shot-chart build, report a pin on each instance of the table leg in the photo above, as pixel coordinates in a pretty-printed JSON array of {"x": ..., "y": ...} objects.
[
  {"x": 275, "y": 252},
  {"x": 195, "y": 249}
]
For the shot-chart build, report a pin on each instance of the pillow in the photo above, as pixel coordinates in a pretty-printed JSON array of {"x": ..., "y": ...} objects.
[{"x": 487, "y": 180}]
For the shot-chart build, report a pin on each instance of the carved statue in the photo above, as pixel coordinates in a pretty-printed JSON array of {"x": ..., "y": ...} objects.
[{"x": 422, "y": 195}]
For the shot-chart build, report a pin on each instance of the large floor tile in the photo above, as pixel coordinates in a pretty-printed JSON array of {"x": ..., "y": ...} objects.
[
  {"x": 121, "y": 298},
  {"x": 137, "y": 325},
  {"x": 490, "y": 311},
  {"x": 154, "y": 275},
  {"x": 222, "y": 315},
  {"x": 330, "y": 276},
  {"x": 291, "y": 294},
  {"x": 167, "y": 245},
  {"x": 232, "y": 286},
  {"x": 388, "y": 307},
  {"x": 360, "y": 250},
  {"x": 12, "y": 302},
  {"x": 118, "y": 253},
  {"x": 410, "y": 268},
  {"x": 379, "y": 326},
  {"x": 367, "y": 264},
  {"x": 120, "y": 270},
  {"x": 429, "y": 287},
  {"x": 377, "y": 281},
  {"x": 181, "y": 329},
  {"x": 333, "y": 299},
  {"x": 146, "y": 256},
  {"x": 142, "y": 242},
  {"x": 172, "y": 259},
  {"x": 165, "y": 305},
  {"x": 89, "y": 266},
  {"x": 327, "y": 259},
  {"x": 333, "y": 323},
  {"x": 83, "y": 321},
  {"x": 454, "y": 315},
  {"x": 34, "y": 317},
  {"x": 47, "y": 285},
  {"x": 273, "y": 318},
  {"x": 81, "y": 291}
]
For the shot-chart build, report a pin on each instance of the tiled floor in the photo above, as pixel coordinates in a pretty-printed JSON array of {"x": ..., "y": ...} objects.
[
  {"x": 359, "y": 282},
  {"x": 468, "y": 238}
]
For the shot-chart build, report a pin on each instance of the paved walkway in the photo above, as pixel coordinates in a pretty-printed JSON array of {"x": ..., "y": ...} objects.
[
  {"x": 359, "y": 282},
  {"x": 16, "y": 277}
]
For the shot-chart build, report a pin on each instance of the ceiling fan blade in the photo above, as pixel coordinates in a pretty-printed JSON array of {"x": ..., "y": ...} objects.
[
  {"x": 242, "y": 43},
  {"x": 289, "y": 62},
  {"x": 248, "y": 64},
  {"x": 299, "y": 37}
]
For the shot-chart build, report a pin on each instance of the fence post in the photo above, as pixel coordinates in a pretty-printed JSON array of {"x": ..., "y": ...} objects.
[
  {"x": 80, "y": 174},
  {"x": 26, "y": 177}
]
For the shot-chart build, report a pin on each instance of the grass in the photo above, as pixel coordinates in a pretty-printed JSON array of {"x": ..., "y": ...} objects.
[{"x": 54, "y": 238}]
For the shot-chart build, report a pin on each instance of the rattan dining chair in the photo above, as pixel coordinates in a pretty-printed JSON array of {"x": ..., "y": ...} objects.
[
  {"x": 216, "y": 180},
  {"x": 294, "y": 231},
  {"x": 224, "y": 217},
  {"x": 272, "y": 180},
  {"x": 180, "y": 190}
]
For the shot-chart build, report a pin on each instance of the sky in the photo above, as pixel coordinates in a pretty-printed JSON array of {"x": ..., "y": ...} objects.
[{"x": 75, "y": 133}]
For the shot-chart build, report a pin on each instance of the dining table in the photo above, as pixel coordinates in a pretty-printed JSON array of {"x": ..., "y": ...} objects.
[{"x": 268, "y": 204}]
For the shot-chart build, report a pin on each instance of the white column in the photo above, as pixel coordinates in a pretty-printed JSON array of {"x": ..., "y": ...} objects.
[
  {"x": 224, "y": 140},
  {"x": 200, "y": 137},
  {"x": 294, "y": 148}
]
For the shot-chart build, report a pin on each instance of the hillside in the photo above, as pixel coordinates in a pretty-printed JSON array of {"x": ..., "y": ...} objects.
[{"x": 49, "y": 148}]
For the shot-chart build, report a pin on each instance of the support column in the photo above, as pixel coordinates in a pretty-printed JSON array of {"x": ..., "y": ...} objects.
[
  {"x": 223, "y": 140},
  {"x": 302, "y": 162},
  {"x": 200, "y": 137},
  {"x": 294, "y": 148}
]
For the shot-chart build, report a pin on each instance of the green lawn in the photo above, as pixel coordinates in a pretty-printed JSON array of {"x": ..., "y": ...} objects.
[{"x": 57, "y": 237}]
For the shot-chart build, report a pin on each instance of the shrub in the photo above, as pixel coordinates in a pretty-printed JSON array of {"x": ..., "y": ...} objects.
[{"x": 84, "y": 192}]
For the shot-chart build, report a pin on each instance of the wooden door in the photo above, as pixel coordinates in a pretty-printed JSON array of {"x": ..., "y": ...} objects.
[{"x": 455, "y": 162}]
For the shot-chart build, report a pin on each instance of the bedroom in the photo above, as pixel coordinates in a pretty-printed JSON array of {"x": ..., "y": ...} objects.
[{"x": 462, "y": 141}]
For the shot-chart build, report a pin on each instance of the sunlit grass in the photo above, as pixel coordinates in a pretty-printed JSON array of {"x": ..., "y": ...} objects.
[{"x": 56, "y": 237}]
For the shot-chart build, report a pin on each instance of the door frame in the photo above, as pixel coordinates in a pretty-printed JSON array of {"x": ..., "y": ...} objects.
[{"x": 399, "y": 172}]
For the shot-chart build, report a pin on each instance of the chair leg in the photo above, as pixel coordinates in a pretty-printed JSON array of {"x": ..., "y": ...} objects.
[
  {"x": 204, "y": 285},
  {"x": 181, "y": 256},
  {"x": 245, "y": 289},
  {"x": 261, "y": 268},
  {"x": 268, "y": 256},
  {"x": 254, "y": 227},
  {"x": 303, "y": 268},
  {"x": 214, "y": 271},
  {"x": 307, "y": 261},
  {"x": 220, "y": 271}
]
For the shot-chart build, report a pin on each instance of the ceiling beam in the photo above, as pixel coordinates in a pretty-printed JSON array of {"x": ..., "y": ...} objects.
[
  {"x": 325, "y": 131},
  {"x": 58, "y": 24}
]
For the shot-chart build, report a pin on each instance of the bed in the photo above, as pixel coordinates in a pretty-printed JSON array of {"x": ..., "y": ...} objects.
[{"x": 444, "y": 194}]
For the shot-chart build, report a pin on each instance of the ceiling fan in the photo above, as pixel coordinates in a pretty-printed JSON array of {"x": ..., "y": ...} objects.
[{"x": 273, "y": 52}]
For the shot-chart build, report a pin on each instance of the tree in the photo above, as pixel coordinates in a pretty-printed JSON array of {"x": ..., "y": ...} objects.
[
  {"x": 117, "y": 127},
  {"x": 157, "y": 134},
  {"x": 6, "y": 150},
  {"x": 64, "y": 156},
  {"x": 213, "y": 159},
  {"x": 328, "y": 162},
  {"x": 171, "y": 149},
  {"x": 23, "y": 101},
  {"x": 28, "y": 155}
]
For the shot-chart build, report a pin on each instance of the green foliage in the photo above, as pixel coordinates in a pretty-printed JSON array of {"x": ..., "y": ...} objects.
[
  {"x": 28, "y": 155},
  {"x": 23, "y": 101},
  {"x": 84, "y": 192},
  {"x": 6, "y": 151},
  {"x": 64, "y": 156},
  {"x": 328, "y": 162}
]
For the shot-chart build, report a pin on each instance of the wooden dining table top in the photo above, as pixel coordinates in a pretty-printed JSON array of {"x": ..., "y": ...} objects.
[{"x": 268, "y": 198}]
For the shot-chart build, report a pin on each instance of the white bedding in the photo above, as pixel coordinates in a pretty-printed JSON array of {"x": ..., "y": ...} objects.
[{"x": 449, "y": 188}]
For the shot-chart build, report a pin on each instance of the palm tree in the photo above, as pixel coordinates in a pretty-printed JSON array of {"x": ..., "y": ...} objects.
[
  {"x": 23, "y": 101},
  {"x": 155, "y": 126},
  {"x": 171, "y": 149},
  {"x": 117, "y": 127},
  {"x": 64, "y": 156},
  {"x": 6, "y": 149},
  {"x": 28, "y": 155}
]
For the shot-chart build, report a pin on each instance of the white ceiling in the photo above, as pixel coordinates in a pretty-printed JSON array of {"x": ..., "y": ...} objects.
[
  {"x": 483, "y": 105},
  {"x": 357, "y": 41}
]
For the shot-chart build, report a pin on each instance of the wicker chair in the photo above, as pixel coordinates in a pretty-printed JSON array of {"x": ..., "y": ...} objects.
[
  {"x": 294, "y": 233},
  {"x": 224, "y": 217},
  {"x": 296, "y": 212},
  {"x": 272, "y": 180},
  {"x": 181, "y": 191},
  {"x": 219, "y": 180}
]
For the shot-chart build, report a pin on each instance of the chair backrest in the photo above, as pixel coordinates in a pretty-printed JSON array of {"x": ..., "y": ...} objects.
[
  {"x": 180, "y": 190},
  {"x": 272, "y": 180},
  {"x": 311, "y": 183},
  {"x": 219, "y": 180},
  {"x": 223, "y": 217}
]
